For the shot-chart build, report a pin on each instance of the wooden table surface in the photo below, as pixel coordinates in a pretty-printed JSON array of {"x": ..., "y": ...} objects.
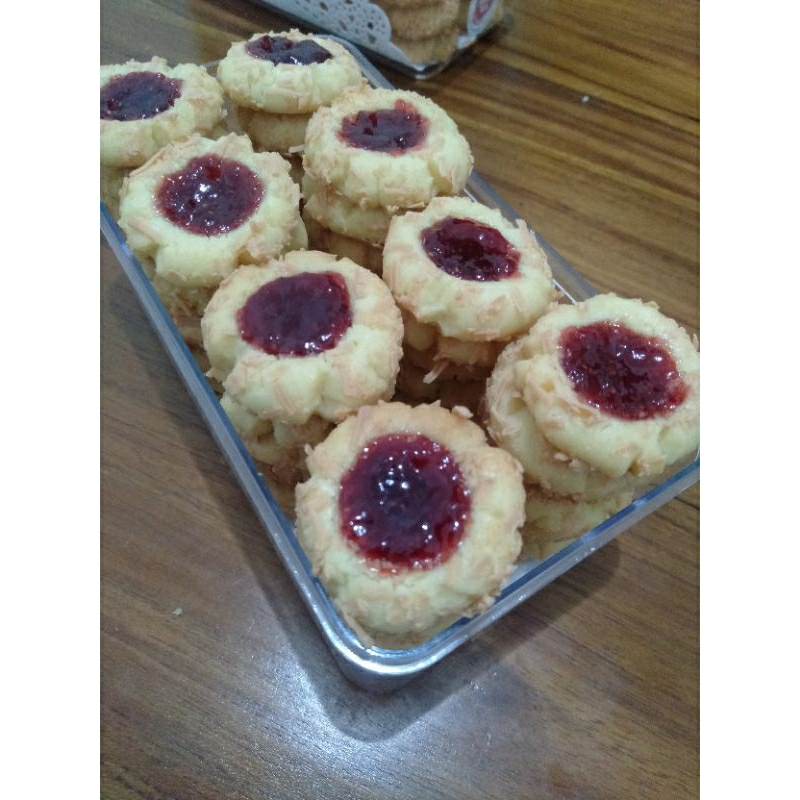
[{"x": 215, "y": 682}]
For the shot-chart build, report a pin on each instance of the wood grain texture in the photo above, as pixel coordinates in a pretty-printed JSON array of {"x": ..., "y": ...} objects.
[{"x": 215, "y": 682}]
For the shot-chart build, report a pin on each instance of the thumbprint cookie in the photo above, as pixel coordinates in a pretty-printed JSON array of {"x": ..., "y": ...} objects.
[
  {"x": 363, "y": 253},
  {"x": 279, "y": 447},
  {"x": 596, "y": 401},
  {"x": 276, "y": 80},
  {"x": 410, "y": 520},
  {"x": 303, "y": 336},
  {"x": 462, "y": 267},
  {"x": 325, "y": 205},
  {"x": 514, "y": 427},
  {"x": 467, "y": 281},
  {"x": 553, "y": 521},
  {"x": 146, "y": 105},
  {"x": 200, "y": 207},
  {"x": 615, "y": 383},
  {"x": 287, "y": 73},
  {"x": 278, "y": 133},
  {"x": 390, "y": 148}
]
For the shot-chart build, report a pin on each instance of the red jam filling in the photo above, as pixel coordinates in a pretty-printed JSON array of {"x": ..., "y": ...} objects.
[
  {"x": 469, "y": 250},
  {"x": 621, "y": 372},
  {"x": 298, "y": 315},
  {"x": 404, "y": 502},
  {"x": 280, "y": 50},
  {"x": 211, "y": 195},
  {"x": 138, "y": 95},
  {"x": 388, "y": 130}
]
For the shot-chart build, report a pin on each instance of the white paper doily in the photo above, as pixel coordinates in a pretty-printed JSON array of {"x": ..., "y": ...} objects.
[
  {"x": 358, "y": 21},
  {"x": 366, "y": 24}
]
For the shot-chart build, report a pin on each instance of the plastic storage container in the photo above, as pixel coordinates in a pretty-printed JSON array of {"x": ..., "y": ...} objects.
[
  {"x": 368, "y": 25},
  {"x": 376, "y": 668}
]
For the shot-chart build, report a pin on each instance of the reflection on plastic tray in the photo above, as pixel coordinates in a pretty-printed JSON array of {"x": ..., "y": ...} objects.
[{"x": 373, "y": 667}]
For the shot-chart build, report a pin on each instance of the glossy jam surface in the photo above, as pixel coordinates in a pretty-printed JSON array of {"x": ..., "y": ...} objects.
[
  {"x": 211, "y": 195},
  {"x": 388, "y": 130},
  {"x": 621, "y": 372},
  {"x": 138, "y": 95},
  {"x": 404, "y": 503},
  {"x": 280, "y": 50},
  {"x": 298, "y": 315},
  {"x": 469, "y": 250}
]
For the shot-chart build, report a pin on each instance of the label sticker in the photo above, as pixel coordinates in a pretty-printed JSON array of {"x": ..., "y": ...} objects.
[{"x": 481, "y": 13}]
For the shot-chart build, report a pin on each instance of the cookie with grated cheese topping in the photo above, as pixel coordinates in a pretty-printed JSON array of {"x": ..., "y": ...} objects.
[
  {"x": 443, "y": 536},
  {"x": 146, "y": 105},
  {"x": 305, "y": 335},
  {"x": 386, "y": 147}
]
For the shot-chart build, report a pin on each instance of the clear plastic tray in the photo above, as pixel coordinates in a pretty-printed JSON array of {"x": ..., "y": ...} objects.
[{"x": 375, "y": 668}]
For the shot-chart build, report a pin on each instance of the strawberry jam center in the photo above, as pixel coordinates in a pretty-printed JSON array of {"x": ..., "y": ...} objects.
[
  {"x": 388, "y": 130},
  {"x": 138, "y": 95},
  {"x": 621, "y": 372},
  {"x": 211, "y": 195},
  {"x": 404, "y": 502},
  {"x": 280, "y": 50},
  {"x": 298, "y": 315},
  {"x": 469, "y": 250}
]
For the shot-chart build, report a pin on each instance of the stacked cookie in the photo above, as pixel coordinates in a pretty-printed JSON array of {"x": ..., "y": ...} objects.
[
  {"x": 370, "y": 155},
  {"x": 467, "y": 281},
  {"x": 594, "y": 402},
  {"x": 428, "y": 31},
  {"x": 277, "y": 80},
  {"x": 425, "y": 30},
  {"x": 410, "y": 519},
  {"x": 145, "y": 106},
  {"x": 198, "y": 209},
  {"x": 299, "y": 344},
  {"x": 407, "y": 514}
]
